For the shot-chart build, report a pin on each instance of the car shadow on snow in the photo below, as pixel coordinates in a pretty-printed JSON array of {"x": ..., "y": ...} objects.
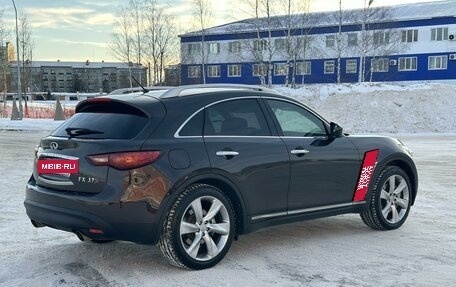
[{"x": 125, "y": 255}]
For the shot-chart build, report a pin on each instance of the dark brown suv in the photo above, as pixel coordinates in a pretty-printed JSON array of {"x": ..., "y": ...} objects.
[{"x": 191, "y": 168}]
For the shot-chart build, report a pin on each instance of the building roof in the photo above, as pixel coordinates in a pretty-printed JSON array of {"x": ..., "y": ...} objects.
[
  {"x": 83, "y": 65},
  {"x": 405, "y": 12}
]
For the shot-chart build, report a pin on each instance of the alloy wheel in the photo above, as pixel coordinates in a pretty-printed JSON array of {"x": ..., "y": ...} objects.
[
  {"x": 204, "y": 228},
  {"x": 394, "y": 199}
]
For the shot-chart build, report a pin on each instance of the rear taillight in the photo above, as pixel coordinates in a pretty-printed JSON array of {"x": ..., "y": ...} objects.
[{"x": 125, "y": 160}]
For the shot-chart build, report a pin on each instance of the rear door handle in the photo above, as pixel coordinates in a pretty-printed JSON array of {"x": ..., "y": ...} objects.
[
  {"x": 299, "y": 152},
  {"x": 228, "y": 154}
]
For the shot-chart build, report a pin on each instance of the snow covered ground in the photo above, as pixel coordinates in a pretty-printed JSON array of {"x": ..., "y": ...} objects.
[{"x": 336, "y": 251}]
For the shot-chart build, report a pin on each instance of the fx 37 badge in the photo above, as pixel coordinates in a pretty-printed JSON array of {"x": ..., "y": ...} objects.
[{"x": 85, "y": 179}]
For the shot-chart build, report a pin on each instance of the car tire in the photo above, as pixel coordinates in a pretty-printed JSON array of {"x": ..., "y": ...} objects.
[
  {"x": 199, "y": 228},
  {"x": 391, "y": 199}
]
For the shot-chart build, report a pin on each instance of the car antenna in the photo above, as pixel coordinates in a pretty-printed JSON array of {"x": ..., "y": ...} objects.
[{"x": 144, "y": 89}]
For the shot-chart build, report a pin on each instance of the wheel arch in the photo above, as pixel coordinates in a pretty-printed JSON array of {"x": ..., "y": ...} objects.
[
  {"x": 410, "y": 173},
  {"x": 406, "y": 165},
  {"x": 225, "y": 185}
]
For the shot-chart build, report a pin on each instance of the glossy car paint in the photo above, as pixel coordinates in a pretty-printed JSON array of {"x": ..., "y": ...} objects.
[{"x": 266, "y": 183}]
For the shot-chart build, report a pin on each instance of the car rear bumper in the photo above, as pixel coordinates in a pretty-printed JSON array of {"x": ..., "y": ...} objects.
[{"x": 88, "y": 215}]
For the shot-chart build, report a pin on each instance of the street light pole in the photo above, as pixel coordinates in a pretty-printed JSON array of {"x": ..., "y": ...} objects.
[{"x": 19, "y": 86}]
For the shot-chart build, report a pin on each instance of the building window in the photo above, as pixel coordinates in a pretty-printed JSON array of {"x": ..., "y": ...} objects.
[
  {"x": 260, "y": 45},
  {"x": 300, "y": 42},
  {"x": 407, "y": 64},
  {"x": 303, "y": 68},
  {"x": 352, "y": 39},
  {"x": 381, "y": 37},
  {"x": 194, "y": 71},
  {"x": 234, "y": 47},
  {"x": 279, "y": 44},
  {"x": 437, "y": 62},
  {"x": 234, "y": 70},
  {"x": 214, "y": 48},
  {"x": 380, "y": 65},
  {"x": 194, "y": 48},
  {"x": 410, "y": 36},
  {"x": 280, "y": 69},
  {"x": 439, "y": 34},
  {"x": 330, "y": 41},
  {"x": 213, "y": 71},
  {"x": 259, "y": 69},
  {"x": 329, "y": 67},
  {"x": 351, "y": 66}
]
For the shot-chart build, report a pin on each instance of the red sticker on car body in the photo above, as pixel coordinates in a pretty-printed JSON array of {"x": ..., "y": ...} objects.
[
  {"x": 47, "y": 166},
  {"x": 365, "y": 175}
]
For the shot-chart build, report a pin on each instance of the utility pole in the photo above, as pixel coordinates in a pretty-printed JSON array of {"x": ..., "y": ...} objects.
[{"x": 19, "y": 86}]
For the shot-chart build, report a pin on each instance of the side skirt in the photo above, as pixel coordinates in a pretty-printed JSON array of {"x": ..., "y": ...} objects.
[{"x": 270, "y": 219}]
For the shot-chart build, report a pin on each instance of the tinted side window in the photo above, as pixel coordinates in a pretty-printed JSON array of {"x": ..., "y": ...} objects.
[
  {"x": 296, "y": 121},
  {"x": 194, "y": 127},
  {"x": 236, "y": 118}
]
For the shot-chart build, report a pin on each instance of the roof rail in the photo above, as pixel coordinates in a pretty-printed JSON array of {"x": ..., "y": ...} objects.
[
  {"x": 176, "y": 91},
  {"x": 123, "y": 91}
]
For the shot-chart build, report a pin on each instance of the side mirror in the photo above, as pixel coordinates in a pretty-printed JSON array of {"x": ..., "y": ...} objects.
[{"x": 335, "y": 131}]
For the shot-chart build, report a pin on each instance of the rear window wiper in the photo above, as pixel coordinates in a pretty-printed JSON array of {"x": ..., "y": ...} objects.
[{"x": 73, "y": 132}]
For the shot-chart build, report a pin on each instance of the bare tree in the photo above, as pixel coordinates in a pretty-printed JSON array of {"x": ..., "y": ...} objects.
[
  {"x": 256, "y": 48},
  {"x": 122, "y": 39},
  {"x": 136, "y": 9},
  {"x": 26, "y": 47},
  {"x": 261, "y": 50},
  {"x": 366, "y": 18},
  {"x": 160, "y": 40},
  {"x": 203, "y": 16},
  {"x": 4, "y": 60},
  {"x": 376, "y": 41},
  {"x": 340, "y": 44},
  {"x": 297, "y": 38}
]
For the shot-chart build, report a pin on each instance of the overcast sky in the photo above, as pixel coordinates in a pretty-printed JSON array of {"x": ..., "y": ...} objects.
[{"x": 79, "y": 30}]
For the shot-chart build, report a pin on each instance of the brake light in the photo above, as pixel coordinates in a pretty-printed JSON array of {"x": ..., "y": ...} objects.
[
  {"x": 125, "y": 160},
  {"x": 98, "y": 100}
]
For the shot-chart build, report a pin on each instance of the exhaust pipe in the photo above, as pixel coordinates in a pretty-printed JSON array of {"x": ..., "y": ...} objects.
[
  {"x": 81, "y": 236},
  {"x": 37, "y": 224}
]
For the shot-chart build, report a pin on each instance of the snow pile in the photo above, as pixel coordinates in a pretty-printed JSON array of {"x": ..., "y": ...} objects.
[
  {"x": 359, "y": 108},
  {"x": 383, "y": 108}
]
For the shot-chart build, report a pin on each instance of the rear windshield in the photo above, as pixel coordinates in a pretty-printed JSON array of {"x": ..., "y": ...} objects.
[{"x": 103, "y": 123}]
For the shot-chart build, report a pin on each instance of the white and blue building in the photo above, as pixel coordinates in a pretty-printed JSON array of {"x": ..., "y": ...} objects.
[{"x": 426, "y": 48}]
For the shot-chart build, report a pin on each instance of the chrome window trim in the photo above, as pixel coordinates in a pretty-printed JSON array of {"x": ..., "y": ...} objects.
[
  {"x": 305, "y": 210},
  {"x": 176, "y": 134},
  {"x": 310, "y": 110}
]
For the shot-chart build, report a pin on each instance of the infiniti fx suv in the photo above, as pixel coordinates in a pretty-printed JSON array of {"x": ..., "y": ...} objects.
[{"x": 191, "y": 168}]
